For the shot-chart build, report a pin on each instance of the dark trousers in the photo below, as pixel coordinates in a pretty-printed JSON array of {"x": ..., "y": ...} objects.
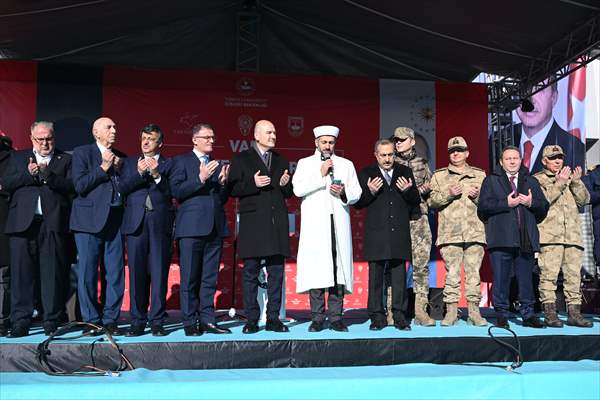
[
  {"x": 377, "y": 285},
  {"x": 4, "y": 295},
  {"x": 252, "y": 267},
  {"x": 335, "y": 299},
  {"x": 149, "y": 255},
  {"x": 90, "y": 246},
  {"x": 199, "y": 258},
  {"x": 37, "y": 252},
  {"x": 504, "y": 262}
]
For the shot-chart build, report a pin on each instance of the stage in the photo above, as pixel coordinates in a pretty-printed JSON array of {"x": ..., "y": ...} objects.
[{"x": 300, "y": 349}]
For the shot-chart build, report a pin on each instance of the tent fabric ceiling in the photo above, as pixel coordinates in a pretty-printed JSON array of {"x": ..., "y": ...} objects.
[{"x": 424, "y": 40}]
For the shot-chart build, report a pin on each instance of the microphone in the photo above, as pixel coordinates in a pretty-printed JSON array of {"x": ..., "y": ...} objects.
[{"x": 325, "y": 157}]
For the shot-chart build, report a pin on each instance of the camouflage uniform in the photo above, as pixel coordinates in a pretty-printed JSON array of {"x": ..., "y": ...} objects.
[
  {"x": 420, "y": 232},
  {"x": 461, "y": 234},
  {"x": 560, "y": 236}
]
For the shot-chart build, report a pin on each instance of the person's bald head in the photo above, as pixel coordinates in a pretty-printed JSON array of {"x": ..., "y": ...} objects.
[
  {"x": 264, "y": 135},
  {"x": 105, "y": 131}
]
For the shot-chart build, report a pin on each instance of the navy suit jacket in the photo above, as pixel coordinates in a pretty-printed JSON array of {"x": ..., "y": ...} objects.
[
  {"x": 54, "y": 186},
  {"x": 94, "y": 189},
  {"x": 501, "y": 223},
  {"x": 573, "y": 148},
  {"x": 200, "y": 204},
  {"x": 136, "y": 188}
]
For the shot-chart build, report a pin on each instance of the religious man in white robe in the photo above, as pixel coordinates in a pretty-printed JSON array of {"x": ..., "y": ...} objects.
[{"x": 328, "y": 187}]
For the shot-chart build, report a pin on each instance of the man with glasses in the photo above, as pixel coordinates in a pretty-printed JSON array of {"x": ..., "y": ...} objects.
[
  {"x": 461, "y": 235},
  {"x": 560, "y": 236},
  {"x": 420, "y": 232},
  {"x": 39, "y": 181},
  {"x": 200, "y": 186},
  {"x": 96, "y": 221}
]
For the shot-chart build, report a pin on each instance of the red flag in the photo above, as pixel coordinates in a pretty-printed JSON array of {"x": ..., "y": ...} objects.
[{"x": 576, "y": 103}]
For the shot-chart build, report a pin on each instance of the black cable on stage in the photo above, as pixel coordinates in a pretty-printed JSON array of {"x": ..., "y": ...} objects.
[
  {"x": 43, "y": 351},
  {"x": 516, "y": 350}
]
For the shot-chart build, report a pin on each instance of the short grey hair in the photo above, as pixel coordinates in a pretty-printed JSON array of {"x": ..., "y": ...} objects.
[
  {"x": 382, "y": 142},
  {"x": 46, "y": 124}
]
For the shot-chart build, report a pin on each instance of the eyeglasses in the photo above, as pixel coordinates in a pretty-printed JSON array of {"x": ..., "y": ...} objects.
[
  {"x": 556, "y": 157},
  {"x": 401, "y": 140},
  {"x": 207, "y": 138},
  {"x": 43, "y": 140},
  {"x": 456, "y": 151}
]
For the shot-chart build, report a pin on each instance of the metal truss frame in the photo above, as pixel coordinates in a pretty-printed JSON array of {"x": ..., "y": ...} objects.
[{"x": 248, "y": 39}]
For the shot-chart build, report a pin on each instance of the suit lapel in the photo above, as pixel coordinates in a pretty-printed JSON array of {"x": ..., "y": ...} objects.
[{"x": 258, "y": 162}]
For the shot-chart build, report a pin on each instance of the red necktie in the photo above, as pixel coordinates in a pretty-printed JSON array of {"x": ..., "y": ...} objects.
[{"x": 527, "y": 149}]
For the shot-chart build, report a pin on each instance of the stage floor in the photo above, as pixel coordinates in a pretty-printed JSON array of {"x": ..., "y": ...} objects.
[
  {"x": 301, "y": 349},
  {"x": 535, "y": 380}
]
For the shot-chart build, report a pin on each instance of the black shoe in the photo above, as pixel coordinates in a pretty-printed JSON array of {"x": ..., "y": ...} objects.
[
  {"x": 377, "y": 325},
  {"x": 316, "y": 326},
  {"x": 158, "y": 330},
  {"x": 502, "y": 322},
  {"x": 250, "y": 327},
  {"x": 338, "y": 326},
  {"x": 3, "y": 330},
  {"x": 18, "y": 331},
  {"x": 113, "y": 329},
  {"x": 276, "y": 325},
  {"x": 50, "y": 328},
  {"x": 135, "y": 330},
  {"x": 533, "y": 322},
  {"x": 402, "y": 326},
  {"x": 192, "y": 330},
  {"x": 213, "y": 328}
]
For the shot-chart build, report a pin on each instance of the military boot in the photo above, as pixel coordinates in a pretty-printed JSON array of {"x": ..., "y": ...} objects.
[
  {"x": 550, "y": 316},
  {"x": 421, "y": 316},
  {"x": 451, "y": 317},
  {"x": 475, "y": 317},
  {"x": 575, "y": 317}
]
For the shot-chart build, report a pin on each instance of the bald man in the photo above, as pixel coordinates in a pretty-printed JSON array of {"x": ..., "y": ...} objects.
[
  {"x": 260, "y": 178},
  {"x": 96, "y": 220}
]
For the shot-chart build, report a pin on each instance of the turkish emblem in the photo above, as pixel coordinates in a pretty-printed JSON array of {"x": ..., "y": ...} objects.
[
  {"x": 246, "y": 86},
  {"x": 295, "y": 126},
  {"x": 245, "y": 124}
]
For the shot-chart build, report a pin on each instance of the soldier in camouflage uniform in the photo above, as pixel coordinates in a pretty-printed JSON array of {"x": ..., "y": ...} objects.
[
  {"x": 560, "y": 236},
  {"x": 461, "y": 234},
  {"x": 420, "y": 232}
]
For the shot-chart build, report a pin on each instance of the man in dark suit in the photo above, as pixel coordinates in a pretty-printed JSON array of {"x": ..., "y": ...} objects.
[
  {"x": 539, "y": 129},
  {"x": 388, "y": 194},
  {"x": 260, "y": 178},
  {"x": 5, "y": 149},
  {"x": 39, "y": 181},
  {"x": 96, "y": 220},
  {"x": 511, "y": 204},
  {"x": 592, "y": 183},
  {"x": 199, "y": 185},
  {"x": 147, "y": 226}
]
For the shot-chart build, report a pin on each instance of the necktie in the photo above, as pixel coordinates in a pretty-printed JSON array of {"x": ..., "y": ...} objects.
[
  {"x": 527, "y": 149},
  {"x": 387, "y": 177},
  {"x": 515, "y": 193},
  {"x": 204, "y": 159}
]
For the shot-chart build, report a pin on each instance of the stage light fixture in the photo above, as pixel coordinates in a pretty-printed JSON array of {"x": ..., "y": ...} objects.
[{"x": 527, "y": 105}]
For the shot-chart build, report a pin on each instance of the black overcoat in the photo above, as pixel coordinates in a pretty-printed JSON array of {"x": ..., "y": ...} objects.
[
  {"x": 387, "y": 230},
  {"x": 263, "y": 224}
]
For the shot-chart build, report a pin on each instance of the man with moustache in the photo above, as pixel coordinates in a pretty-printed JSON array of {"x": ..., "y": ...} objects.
[
  {"x": 200, "y": 186},
  {"x": 539, "y": 129},
  {"x": 388, "y": 194},
  {"x": 147, "y": 226},
  {"x": 461, "y": 235},
  {"x": 259, "y": 177},
  {"x": 328, "y": 186},
  {"x": 39, "y": 181},
  {"x": 511, "y": 204},
  {"x": 96, "y": 220},
  {"x": 560, "y": 237}
]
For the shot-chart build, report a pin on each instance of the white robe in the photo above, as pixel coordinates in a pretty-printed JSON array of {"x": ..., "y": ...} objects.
[{"x": 314, "y": 262}]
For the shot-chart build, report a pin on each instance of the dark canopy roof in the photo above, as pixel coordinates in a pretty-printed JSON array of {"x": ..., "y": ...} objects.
[{"x": 426, "y": 39}]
